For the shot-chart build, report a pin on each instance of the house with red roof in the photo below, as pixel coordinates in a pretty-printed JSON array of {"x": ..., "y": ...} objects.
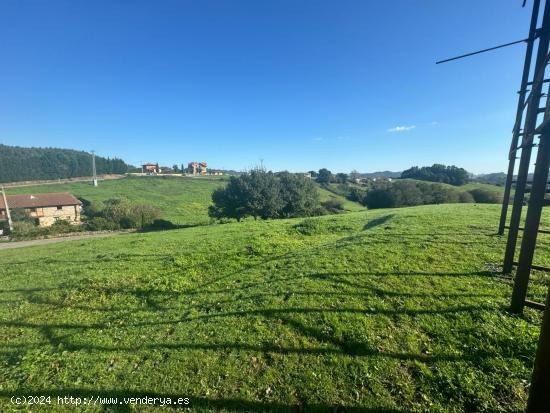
[{"x": 45, "y": 208}]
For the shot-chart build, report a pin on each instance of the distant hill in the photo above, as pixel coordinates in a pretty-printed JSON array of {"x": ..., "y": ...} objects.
[
  {"x": 497, "y": 178},
  {"x": 29, "y": 164},
  {"x": 381, "y": 174}
]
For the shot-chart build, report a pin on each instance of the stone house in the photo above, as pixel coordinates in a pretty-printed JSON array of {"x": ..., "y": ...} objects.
[{"x": 45, "y": 209}]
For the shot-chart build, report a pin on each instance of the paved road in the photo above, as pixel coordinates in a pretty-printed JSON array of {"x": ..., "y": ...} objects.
[{"x": 30, "y": 243}]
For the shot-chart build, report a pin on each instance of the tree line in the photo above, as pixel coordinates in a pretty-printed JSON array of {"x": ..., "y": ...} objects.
[
  {"x": 31, "y": 164},
  {"x": 438, "y": 173}
]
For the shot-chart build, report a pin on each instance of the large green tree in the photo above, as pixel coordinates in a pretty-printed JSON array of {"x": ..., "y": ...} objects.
[
  {"x": 324, "y": 176},
  {"x": 299, "y": 194},
  {"x": 262, "y": 194}
]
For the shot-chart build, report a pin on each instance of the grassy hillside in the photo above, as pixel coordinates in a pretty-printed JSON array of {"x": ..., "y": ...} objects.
[
  {"x": 388, "y": 309},
  {"x": 466, "y": 187},
  {"x": 479, "y": 185},
  {"x": 182, "y": 200},
  {"x": 348, "y": 205}
]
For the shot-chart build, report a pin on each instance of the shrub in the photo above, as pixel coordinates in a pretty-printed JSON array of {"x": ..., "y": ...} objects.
[
  {"x": 91, "y": 209},
  {"x": 146, "y": 214},
  {"x": 4, "y": 228},
  {"x": 356, "y": 195},
  {"x": 23, "y": 229},
  {"x": 380, "y": 198},
  {"x": 408, "y": 193},
  {"x": 484, "y": 196},
  {"x": 101, "y": 224},
  {"x": 309, "y": 226},
  {"x": 62, "y": 227},
  {"x": 333, "y": 205},
  {"x": 466, "y": 197},
  {"x": 120, "y": 213}
]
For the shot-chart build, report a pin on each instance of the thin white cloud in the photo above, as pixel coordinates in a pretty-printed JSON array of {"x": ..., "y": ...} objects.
[
  {"x": 402, "y": 128},
  {"x": 434, "y": 123},
  {"x": 318, "y": 139}
]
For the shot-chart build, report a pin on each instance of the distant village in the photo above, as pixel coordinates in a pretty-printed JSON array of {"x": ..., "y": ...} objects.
[{"x": 193, "y": 169}]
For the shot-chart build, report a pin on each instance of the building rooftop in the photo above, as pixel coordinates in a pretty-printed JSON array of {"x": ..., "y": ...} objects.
[{"x": 39, "y": 200}]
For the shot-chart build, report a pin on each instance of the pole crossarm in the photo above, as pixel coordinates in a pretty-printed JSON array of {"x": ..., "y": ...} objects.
[{"x": 500, "y": 46}]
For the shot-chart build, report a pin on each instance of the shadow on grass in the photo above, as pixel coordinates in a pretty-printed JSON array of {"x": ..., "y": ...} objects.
[
  {"x": 154, "y": 299},
  {"x": 378, "y": 221},
  {"x": 59, "y": 335},
  {"x": 164, "y": 225}
]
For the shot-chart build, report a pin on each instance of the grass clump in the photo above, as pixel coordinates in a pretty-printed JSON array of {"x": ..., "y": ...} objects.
[{"x": 310, "y": 226}]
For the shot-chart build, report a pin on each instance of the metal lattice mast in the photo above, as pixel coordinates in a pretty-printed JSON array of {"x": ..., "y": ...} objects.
[
  {"x": 533, "y": 110},
  {"x": 539, "y": 392},
  {"x": 519, "y": 115}
]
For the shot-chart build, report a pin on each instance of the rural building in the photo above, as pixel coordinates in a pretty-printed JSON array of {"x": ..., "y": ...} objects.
[
  {"x": 45, "y": 208},
  {"x": 197, "y": 168},
  {"x": 151, "y": 168}
]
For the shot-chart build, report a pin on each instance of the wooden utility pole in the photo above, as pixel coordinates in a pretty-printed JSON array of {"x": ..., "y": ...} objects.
[{"x": 10, "y": 223}]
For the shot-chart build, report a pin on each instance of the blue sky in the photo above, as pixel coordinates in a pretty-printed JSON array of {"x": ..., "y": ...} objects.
[{"x": 300, "y": 84}]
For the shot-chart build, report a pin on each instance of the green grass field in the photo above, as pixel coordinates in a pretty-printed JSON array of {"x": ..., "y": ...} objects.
[
  {"x": 387, "y": 310},
  {"x": 184, "y": 201}
]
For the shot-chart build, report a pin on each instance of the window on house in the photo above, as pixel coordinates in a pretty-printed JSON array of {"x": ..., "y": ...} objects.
[
  {"x": 59, "y": 207},
  {"x": 33, "y": 209}
]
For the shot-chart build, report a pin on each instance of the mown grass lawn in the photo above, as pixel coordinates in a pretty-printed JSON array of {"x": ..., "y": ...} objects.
[{"x": 389, "y": 310}]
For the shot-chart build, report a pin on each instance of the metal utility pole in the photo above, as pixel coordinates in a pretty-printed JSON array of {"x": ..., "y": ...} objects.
[
  {"x": 93, "y": 169},
  {"x": 10, "y": 223}
]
